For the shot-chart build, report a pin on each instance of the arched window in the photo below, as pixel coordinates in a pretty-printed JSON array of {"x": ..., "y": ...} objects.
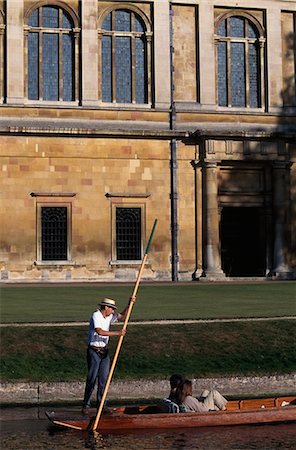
[
  {"x": 2, "y": 62},
  {"x": 240, "y": 68},
  {"x": 124, "y": 50},
  {"x": 52, "y": 65}
]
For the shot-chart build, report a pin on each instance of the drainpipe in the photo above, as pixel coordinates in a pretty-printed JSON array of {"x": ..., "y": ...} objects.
[{"x": 173, "y": 164}]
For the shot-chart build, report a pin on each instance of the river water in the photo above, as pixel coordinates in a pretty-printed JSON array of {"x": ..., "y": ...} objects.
[{"x": 22, "y": 430}]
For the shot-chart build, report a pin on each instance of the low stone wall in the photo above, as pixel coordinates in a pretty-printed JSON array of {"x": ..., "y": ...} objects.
[{"x": 41, "y": 393}]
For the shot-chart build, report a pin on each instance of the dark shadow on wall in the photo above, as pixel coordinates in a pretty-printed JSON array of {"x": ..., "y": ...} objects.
[{"x": 289, "y": 112}]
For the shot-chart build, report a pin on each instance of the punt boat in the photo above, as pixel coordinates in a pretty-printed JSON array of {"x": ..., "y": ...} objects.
[{"x": 238, "y": 412}]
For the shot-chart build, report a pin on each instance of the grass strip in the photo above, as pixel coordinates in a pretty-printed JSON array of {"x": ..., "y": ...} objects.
[
  {"x": 154, "y": 302},
  {"x": 154, "y": 351}
]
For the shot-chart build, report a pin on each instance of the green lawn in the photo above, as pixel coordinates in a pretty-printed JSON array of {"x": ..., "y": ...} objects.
[
  {"x": 153, "y": 351},
  {"x": 154, "y": 301}
]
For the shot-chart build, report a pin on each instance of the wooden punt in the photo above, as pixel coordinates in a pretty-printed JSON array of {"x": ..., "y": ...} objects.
[{"x": 239, "y": 412}]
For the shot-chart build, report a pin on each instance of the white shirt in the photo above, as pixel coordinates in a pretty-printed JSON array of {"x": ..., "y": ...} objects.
[{"x": 97, "y": 320}]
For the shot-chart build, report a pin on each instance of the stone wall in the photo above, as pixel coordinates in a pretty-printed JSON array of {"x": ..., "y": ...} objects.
[{"x": 40, "y": 393}]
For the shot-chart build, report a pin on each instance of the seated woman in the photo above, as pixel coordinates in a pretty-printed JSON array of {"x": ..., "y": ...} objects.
[{"x": 210, "y": 400}]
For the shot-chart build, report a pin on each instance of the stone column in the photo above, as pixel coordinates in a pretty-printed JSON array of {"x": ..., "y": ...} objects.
[
  {"x": 280, "y": 267},
  {"x": 198, "y": 219},
  {"x": 89, "y": 51},
  {"x": 274, "y": 69},
  {"x": 162, "y": 53},
  {"x": 212, "y": 257},
  {"x": 15, "y": 52},
  {"x": 207, "y": 55}
]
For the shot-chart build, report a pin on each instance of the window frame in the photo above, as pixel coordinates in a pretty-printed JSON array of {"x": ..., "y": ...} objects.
[
  {"x": 75, "y": 31},
  {"x": 261, "y": 40},
  {"x": 114, "y": 206},
  {"x": 134, "y": 10},
  {"x": 39, "y": 260}
]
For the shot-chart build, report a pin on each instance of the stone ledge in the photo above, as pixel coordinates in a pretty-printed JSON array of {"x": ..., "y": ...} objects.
[{"x": 41, "y": 393}]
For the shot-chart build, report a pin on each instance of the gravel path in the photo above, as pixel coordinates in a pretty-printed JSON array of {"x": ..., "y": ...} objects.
[{"x": 151, "y": 322}]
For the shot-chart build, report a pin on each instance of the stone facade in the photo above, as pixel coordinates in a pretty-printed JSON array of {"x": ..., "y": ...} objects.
[{"x": 220, "y": 178}]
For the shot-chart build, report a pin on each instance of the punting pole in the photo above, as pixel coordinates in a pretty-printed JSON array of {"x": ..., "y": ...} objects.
[{"x": 99, "y": 412}]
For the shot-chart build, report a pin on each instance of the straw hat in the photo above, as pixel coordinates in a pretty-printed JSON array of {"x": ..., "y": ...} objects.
[{"x": 108, "y": 302}]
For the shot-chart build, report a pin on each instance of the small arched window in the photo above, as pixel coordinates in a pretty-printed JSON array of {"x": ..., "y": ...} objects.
[
  {"x": 239, "y": 63},
  {"x": 124, "y": 58},
  {"x": 51, "y": 60}
]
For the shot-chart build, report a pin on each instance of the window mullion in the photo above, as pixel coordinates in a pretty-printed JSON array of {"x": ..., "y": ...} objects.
[
  {"x": 261, "y": 74},
  {"x": 148, "y": 66},
  {"x": 247, "y": 68},
  {"x": 60, "y": 56},
  {"x": 113, "y": 67},
  {"x": 113, "y": 58},
  {"x": 60, "y": 65},
  {"x": 40, "y": 78},
  {"x": 75, "y": 66},
  {"x": 40, "y": 91},
  {"x": 26, "y": 60},
  {"x": 133, "y": 59},
  {"x": 133, "y": 69},
  {"x": 228, "y": 64}
]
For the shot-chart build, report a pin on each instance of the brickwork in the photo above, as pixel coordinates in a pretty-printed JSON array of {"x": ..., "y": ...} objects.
[{"x": 90, "y": 156}]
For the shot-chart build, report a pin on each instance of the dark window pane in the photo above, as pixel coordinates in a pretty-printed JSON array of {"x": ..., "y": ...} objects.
[
  {"x": 33, "y": 61},
  {"x": 222, "y": 29},
  {"x": 107, "y": 23},
  {"x": 128, "y": 234},
  {"x": 33, "y": 19},
  {"x": 50, "y": 17},
  {"x": 254, "y": 75},
  {"x": 238, "y": 83},
  {"x": 50, "y": 66},
  {"x": 123, "y": 70},
  {"x": 237, "y": 27},
  {"x": 139, "y": 26},
  {"x": 54, "y": 233},
  {"x": 252, "y": 31},
  {"x": 140, "y": 70},
  {"x": 68, "y": 67},
  {"x": 106, "y": 69},
  {"x": 222, "y": 74},
  {"x": 67, "y": 21},
  {"x": 122, "y": 20}
]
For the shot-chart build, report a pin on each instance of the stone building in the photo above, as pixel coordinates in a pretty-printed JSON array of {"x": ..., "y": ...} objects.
[{"x": 114, "y": 113}]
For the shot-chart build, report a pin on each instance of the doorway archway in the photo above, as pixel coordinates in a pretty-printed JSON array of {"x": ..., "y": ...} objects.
[{"x": 243, "y": 242}]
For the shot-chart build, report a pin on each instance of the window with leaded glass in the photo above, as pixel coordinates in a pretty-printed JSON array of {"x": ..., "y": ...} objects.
[
  {"x": 51, "y": 63},
  {"x": 128, "y": 234},
  {"x": 239, "y": 63},
  {"x": 54, "y": 233},
  {"x": 124, "y": 77}
]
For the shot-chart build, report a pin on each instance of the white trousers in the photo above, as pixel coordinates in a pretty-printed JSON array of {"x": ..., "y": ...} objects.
[{"x": 213, "y": 400}]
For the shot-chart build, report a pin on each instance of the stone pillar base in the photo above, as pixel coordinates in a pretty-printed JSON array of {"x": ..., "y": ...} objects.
[
  {"x": 212, "y": 275},
  {"x": 283, "y": 273}
]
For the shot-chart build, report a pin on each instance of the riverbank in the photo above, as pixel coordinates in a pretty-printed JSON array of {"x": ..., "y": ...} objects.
[
  {"x": 152, "y": 352},
  {"x": 65, "y": 392}
]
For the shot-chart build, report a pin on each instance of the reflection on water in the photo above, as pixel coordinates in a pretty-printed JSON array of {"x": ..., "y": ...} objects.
[{"x": 27, "y": 434}]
